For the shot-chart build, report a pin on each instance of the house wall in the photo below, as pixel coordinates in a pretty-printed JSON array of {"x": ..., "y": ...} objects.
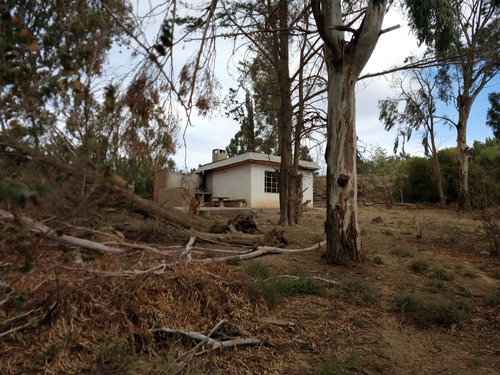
[
  {"x": 167, "y": 179},
  {"x": 234, "y": 183},
  {"x": 259, "y": 197},
  {"x": 247, "y": 182},
  {"x": 307, "y": 186}
]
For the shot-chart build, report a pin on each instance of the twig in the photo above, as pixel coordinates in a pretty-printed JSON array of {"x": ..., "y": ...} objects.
[
  {"x": 157, "y": 270},
  {"x": 207, "y": 338},
  {"x": 187, "y": 249},
  {"x": 262, "y": 250}
]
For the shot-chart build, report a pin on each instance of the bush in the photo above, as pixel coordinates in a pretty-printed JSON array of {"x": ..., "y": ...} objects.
[
  {"x": 442, "y": 274},
  {"x": 449, "y": 313},
  {"x": 420, "y": 265}
]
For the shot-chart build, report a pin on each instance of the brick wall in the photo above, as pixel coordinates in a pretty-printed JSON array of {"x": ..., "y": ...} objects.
[{"x": 160, "y": 183}]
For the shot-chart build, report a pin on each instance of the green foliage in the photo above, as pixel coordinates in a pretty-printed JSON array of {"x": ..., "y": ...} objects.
[
  {"x": 247, "y": 139},
  {"x": 420, "y": 265},
  {"x": 402, "y": 252},
  {"x": 434, "y": 23},
  {"x": 442, "y": 274},
  {"x": 493, "y": 116},
  {"x": 434, "y": 286},
  {"x": 409, "y": 302},
  {"x": 356, "y": 290},
  {"x": 275, "y": 287},
  {"x": 19, "y": 192},
  {"x": 378, "y": 260},
  {"x": 449, "y": 313}
]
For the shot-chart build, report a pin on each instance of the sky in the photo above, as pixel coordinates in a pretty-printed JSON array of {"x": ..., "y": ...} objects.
[{"x": 216, "y": 131}]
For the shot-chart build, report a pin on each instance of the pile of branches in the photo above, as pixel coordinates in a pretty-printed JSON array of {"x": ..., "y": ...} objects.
[{"x": 68, "y": 317}]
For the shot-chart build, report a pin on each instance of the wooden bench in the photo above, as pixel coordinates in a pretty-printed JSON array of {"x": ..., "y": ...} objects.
[{"x": 221, "y": 200}]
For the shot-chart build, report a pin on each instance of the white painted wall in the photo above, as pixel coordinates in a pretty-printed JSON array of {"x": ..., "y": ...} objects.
[
  {"x": 233, "y": 183},
  {"x": 247, "y": 182},
  {"x": 259, "y": 197}
]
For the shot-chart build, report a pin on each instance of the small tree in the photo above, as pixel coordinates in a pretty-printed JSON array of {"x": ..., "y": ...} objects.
[{"x": 420, "y": 92}]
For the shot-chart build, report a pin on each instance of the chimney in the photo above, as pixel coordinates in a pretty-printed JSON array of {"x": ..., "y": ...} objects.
[{"x": 218, "y": 154}]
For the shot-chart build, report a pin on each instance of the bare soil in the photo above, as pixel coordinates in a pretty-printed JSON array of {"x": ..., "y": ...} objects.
[{"x": 361, "y": 330}]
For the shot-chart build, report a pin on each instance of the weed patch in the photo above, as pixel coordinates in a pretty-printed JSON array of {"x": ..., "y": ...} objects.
[
  {"x": 355, "y": 290},
  {"x": 402, "y": 252},
  {"x": 442, "y": 274},
  {"x": 274, "y": 287}
]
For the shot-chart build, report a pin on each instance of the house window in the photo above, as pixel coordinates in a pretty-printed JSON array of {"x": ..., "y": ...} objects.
[{"x": 271, "y": 183}]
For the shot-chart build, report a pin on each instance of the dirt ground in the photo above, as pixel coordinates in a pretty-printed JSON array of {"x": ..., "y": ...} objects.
[
  {"x": 427, "y": 305},
  {"x": 378, "y": 336}
]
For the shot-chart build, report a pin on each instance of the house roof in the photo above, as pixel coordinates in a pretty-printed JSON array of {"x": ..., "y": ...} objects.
[{"x": 252, "y": 157}]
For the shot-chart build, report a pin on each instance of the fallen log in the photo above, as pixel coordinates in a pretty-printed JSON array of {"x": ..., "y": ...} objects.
[{"x": 46, "y": 232}]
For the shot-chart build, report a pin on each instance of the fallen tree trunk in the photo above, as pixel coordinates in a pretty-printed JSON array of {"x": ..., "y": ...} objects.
[
  {"x": 91, "y": 176},
  {"x": 153, "y": 209},
  {"x": 261, "y": 250},
  {"x": 46, "y": 232}
]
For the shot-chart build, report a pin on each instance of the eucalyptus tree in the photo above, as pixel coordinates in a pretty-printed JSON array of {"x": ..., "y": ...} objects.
[
  {"x": 493, "y": 116},
  {"x": 469, "y": 31},
  {"x": 422, "y": 96},
  {"x": 48, "y": 52},
  {"x": 350, "y": 31},
  {"x": 272, "y": 30}
]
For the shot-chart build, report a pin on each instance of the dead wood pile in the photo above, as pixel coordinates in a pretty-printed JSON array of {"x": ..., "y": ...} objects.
[{"x": 72, "y": 315}]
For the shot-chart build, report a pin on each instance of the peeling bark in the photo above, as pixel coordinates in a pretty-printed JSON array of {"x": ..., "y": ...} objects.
[{"x": 345, "y": 61}]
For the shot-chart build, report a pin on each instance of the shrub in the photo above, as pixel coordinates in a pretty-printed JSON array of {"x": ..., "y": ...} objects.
[
  {"x": 409, "y": 301},
  {"x": 420, "y": 265},
  {"x": 434, "y": 286},
  {"x": 442, "y": 274},
  {"x": 449, "y": 313}
]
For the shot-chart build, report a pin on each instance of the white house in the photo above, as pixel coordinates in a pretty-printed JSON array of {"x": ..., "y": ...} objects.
[{"x": 251, "y": 177}]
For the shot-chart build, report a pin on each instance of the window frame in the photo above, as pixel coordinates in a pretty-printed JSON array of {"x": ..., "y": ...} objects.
[{"x": 271, "y": 183}]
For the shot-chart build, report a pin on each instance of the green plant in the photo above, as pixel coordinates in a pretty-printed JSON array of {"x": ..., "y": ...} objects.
[
  {"x": 449, "y": 313},
  {"x": 402, "y": 252},
  {"x": 419, "y": 265},
  {"x": 434, "y": 286},
  {"x": 442, "y": 274},
  {"x": 356, "y": 290},
  {"x": 409, "y": 302},
  {"x": 378, "y": 260},
  {"x": 274, "y": 287}
]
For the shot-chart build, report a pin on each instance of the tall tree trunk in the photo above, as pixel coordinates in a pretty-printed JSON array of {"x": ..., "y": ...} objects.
[
  {"x": 437, "y": 168},
  {"x": 287, "y": 177},
  {"x": 341, "y": 181},
  {"x": 464, "y": 203},
  {"x": 345, "y": 61}
]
